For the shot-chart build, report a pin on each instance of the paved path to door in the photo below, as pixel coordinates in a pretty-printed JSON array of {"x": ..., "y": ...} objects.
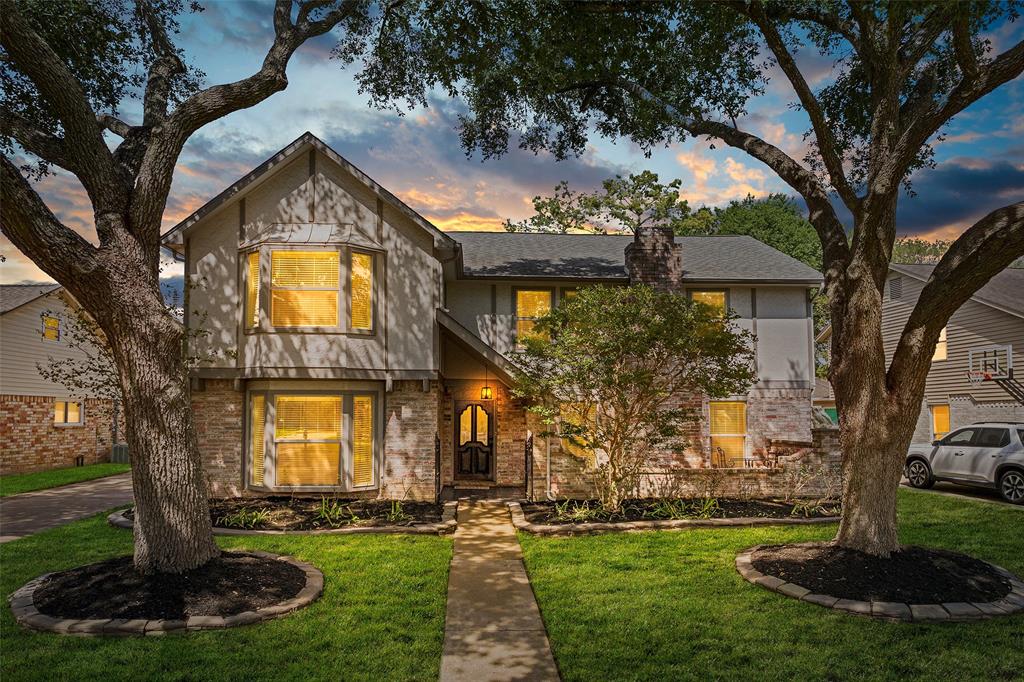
[
  {"x": 28, "y": 513},
  {"x": 493, "y": 629}
]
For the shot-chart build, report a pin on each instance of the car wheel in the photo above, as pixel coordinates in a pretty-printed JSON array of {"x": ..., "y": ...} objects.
[
  {"x": 919, "y": 475},
  {"x": 1011, "y": 486}
]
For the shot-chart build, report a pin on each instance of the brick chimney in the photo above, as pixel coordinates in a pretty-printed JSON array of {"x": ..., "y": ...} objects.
[{"x": 655, "y": 259}]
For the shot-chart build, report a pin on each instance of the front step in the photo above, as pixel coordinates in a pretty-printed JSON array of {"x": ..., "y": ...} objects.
[{"x": 479, "y": 491}]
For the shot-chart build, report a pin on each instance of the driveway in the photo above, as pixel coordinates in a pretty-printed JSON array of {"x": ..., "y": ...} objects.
[
  {"x": 954, "y": 490},
  {"x": 28, "y": 513}
]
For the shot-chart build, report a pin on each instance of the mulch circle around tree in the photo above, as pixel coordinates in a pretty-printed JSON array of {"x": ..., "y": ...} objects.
[
  {"x": 915, "y": 583},
  {"x": 111, "y": 597},
  {"x": 648, "y": 509}
]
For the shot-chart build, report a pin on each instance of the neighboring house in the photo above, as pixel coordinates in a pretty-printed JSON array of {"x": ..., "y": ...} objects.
[
  {"x": 825, "y": 398},
  {"x": 360, "y": 350},
  {"x": 42, "y": 426},
  {"x": 988, "y": 328}
]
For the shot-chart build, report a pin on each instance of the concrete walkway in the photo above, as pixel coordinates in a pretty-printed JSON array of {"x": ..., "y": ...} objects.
[
  {"x": 493, "y": 629},
  {"x": 28, "y": 513}
]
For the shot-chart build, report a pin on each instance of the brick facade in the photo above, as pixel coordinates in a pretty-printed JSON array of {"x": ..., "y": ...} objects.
[
  {"x": 654, "y": 258},
  {"x": 410, "y": 425},
  {"x": 30, "y": 441},
  {"x": 218, "y": 410}
]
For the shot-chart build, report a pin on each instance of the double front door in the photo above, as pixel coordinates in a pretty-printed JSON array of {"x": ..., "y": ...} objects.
[{"x": 474, "y": 439}]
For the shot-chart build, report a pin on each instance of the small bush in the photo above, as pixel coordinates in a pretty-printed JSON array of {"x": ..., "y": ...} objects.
[
  {"x": 244, "y": 518},
  {"x": 334, "y": 514}
]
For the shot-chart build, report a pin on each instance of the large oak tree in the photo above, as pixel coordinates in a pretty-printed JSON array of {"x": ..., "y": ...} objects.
[
  {"x": 65, "y": 68},
  {"x": 552, "y": 73}
]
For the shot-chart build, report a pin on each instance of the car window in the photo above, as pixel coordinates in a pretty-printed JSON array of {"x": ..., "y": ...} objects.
[
  {"x": 993, "y": 438},
  {"x": 962, "y": 437},
  {"x": 1020, "y": 435}
]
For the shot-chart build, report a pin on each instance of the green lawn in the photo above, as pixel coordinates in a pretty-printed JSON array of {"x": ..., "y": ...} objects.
[
  {"x": 381, "y": 615},
  {"x": 670, "y": 605},
  {"x": 23, "y": 483}
]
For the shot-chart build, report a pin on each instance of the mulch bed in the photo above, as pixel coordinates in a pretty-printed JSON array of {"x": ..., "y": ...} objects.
[
  {"x": 582, "y": 511},
  {"x": 317, "y": 513},
  {"x": 914, "y": 575},
  {"x": 230, "y": 584}
]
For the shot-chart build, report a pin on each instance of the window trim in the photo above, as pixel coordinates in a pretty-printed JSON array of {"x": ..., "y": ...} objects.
[
  {"x": 724, "y": 290},
  {"x": 515, "y": 310},
  {"x": 346, "y": 390},
  {"x": 42, "y": 328},
  {"x": 66, "y": 424},
  {"x": 745, "y": 435}
]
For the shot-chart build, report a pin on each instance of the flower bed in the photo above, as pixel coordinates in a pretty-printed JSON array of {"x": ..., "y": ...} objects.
[{"x": 590, "y": 511}]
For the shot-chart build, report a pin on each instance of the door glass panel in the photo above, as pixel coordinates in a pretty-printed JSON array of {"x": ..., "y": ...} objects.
[
  {"x": 960, "y": 438},
  {"x": 482, "y": 425},
  {"x": 466, "y": 425}
]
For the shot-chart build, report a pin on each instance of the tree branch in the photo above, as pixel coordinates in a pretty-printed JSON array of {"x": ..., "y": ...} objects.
[
  {"x": 35, "y": 230},
  {"x": 962, "y": 43},
  {"x": 984, "y": 250},
  {"x": 45, "y": 146},
  {"x": 822, "y": 131},
  {"x": 37, "y": 60},
  {"x": 114, "y": 125},
  {"x": 162, "y": 72}
]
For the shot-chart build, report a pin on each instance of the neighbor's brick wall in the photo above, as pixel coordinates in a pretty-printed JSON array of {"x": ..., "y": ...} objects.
[
  {"x": 219, "y": 414},
  {"x": 410, "y": 424},
  {"x": 30, "y": 441}
]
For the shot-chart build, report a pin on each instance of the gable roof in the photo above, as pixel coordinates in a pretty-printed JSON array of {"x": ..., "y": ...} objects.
[
  {"x": 300, "y": 144},
  {"x": 1005, "y": 291},
  {"x": 16, "y": 295},
  {"x": 724, "y": 258}
]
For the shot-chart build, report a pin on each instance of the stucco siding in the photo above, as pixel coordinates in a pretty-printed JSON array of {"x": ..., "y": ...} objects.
[{"x": 784, "y": 336}]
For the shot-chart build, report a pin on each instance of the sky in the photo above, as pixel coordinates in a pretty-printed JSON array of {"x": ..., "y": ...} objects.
[{"x": 979, "y": 166}]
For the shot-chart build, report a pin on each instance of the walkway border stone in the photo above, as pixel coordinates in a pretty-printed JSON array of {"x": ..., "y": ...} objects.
[
  {"x": 445, "y": 526},
  {"x": 894, "y": 611},
  {"x": 28, "y": 616},
  {"x": 520, "y": 522}
]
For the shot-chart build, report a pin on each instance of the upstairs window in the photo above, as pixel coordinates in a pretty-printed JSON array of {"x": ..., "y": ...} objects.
[
  {"x": 67, "y": 413},
  {"x": 51, "y": 328},
  {"x": 252, "y": 290},
  {"x": 531, "y": 304},
  {"x": 715, "y": 299},
  {"x": 304, "y": 288},
  {"x": 362, "y": 291},
  {"x": 941, "y": 348}
]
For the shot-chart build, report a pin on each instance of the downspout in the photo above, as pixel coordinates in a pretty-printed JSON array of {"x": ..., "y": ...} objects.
[{"x": 547, "y": 469}]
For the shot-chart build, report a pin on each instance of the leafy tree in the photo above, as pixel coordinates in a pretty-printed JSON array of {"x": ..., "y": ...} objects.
[
  {"x": 920, "y": 251},
  {"x": 65, "y": 68},
  {"x": 606, "y": 368},
  {"x": 622, "y": 205},
  {"x": 775, "y": 220},
  {"x": 657, "y": 73}
]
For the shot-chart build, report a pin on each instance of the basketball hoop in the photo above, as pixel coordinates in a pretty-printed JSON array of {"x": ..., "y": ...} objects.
[{"x": 976, "y": 377}]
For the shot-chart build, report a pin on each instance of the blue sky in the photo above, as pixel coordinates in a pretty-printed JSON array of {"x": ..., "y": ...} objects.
[{"x": 418, "y": 156}]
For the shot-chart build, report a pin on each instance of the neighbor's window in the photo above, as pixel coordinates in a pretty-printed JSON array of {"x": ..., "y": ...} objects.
[
  {"x": 940, "y": 421},
  {"x": 51, "y": 328},
  {"x": 362, "y": 291},
  {"x": 715, "y": 299},
  {"x": 257, "y": 421},
  {"x": 304, "y": 288},
  {"x": 307, "y": 439},
  {"x": 530, "y": 305},
  {"x": 252, "y": 290},
  {"x": 66, "y": 412},
  {"x": 941, "y": 347},
  {"x": 728, "y": 433}
]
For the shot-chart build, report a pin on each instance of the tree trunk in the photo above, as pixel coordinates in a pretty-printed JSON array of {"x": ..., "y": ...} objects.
[{"x": 173, "y": 532}]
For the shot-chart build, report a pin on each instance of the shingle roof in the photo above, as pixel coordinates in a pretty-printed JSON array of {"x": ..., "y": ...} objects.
[
  {"x": 519, "y": 255},
  {"x": 16, "y": 295},
  {"x": 1005, "y": 290}
]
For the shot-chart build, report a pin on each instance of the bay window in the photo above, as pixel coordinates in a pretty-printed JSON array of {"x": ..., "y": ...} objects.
[
  {"x": 304, "y": 288},
  {"x": 361, "y": 287},
  {"x": 322, "y": 440},
  {"x": 252, "y": 290}
]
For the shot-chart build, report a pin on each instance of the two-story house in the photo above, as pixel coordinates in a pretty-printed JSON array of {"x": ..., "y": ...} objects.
[
  {"x": 358, "y": 349},
  {"x": 43, "y": 423}
]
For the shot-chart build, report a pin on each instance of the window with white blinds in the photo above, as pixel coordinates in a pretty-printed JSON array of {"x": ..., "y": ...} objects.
[
  {"x": 728, "y": 433},
  {"x": 304, "y": 288},
  {"x": 361, "y": 281},
  {"x": 252, "y": 289}
]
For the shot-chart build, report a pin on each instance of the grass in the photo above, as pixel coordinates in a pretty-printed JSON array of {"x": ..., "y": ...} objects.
[
  {"x": 670, "y": 605},
  {"x": 40, "y": 480},
  {"x": 381, "y": 615}
]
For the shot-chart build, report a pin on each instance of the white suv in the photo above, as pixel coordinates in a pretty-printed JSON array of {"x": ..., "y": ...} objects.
[{"x": 987, "y": 455}]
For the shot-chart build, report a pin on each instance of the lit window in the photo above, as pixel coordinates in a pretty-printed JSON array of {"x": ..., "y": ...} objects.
[
  {"x": 568, "y": 294},
  {"x": 576, "y": 414},
  {"x": 940, "y": 421},
  {"x": 362, "y": 440},
  {"x": 362, "y": 291},
  {"x": 307, "y": 436},
  {"x": 65, "y": 412},
  {"x": 715, "y": 299},
  {"x": 252, "y": 290},
  {"x": 941, "y": 347},
  {"x": 257, "y": 420},
  {"x": 304, "y": 288},
  {"x": 51, "y": 328},
  {"x": 530, "y": 305},
  {"x": 728, "y": 433}
]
